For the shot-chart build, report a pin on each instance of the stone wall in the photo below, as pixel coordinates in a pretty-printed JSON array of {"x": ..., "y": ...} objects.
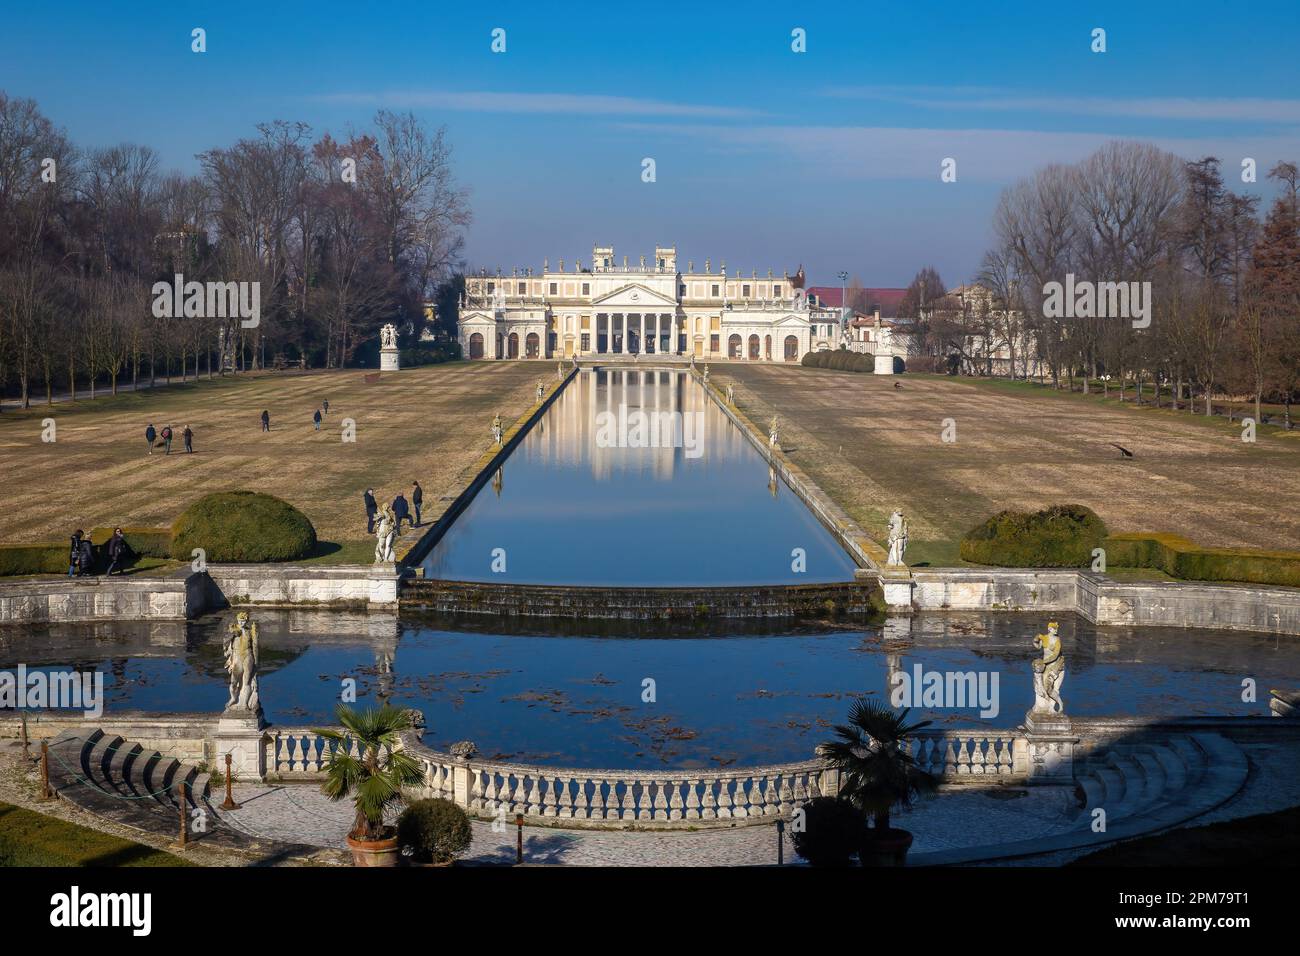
[
  {"x": 187, "y": 737},
  {"x": 136, "y": 598}
]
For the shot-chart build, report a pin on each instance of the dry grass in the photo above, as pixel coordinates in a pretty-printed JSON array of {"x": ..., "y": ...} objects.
[
  {"x": 424, "y": 423},
  {"x": 874, "y": 447}
]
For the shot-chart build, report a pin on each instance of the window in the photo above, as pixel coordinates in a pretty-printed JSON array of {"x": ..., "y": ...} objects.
[
  {"x": 681, "y": 290},
  {"x": 492, "y": 287},
  {"x": 586, "y": 290},
  {"x": 523, "y": 288},
  {"x": 554, "y": 288},
  {"x": 715, "y": 290},
  {"x": 776, "y": 291},
  {"x": 586, "y": 342},
  {"x": 744, "y": 291},
  {"x": 713, "y": 343},
  {"x": 606, "y": 262}
]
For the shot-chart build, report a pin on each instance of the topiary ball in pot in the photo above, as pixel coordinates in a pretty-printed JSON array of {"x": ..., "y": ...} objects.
[
  {"x": 433, "y": 831},
  {"x": 832, "y": 832},
  {"x": 243, "y": 526}
]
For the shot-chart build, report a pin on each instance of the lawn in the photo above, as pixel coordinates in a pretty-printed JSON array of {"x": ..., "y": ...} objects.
[
  {"x": 32, "y": 839},
  {"x": 425, "y": 423},
  {"x": 1269, "y": 839},
  {"x": 874, "y": 447}
]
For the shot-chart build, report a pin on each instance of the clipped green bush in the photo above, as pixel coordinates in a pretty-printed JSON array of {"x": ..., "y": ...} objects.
[
  {"x": 434, "y": 831},
  {"x": 1062, "y": 536},
  {"x": 143, "y": 542},
  {"x": 243, "y": 526},
  {"x": 39, "y": 558},
  {"x": 1181, "y": 558},
  {"x": 832, "y": 833},
  {"x": 840, "y": 360}
]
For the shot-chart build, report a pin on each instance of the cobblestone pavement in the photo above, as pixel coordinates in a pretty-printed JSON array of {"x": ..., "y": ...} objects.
[{"x": 298, "y": 813}]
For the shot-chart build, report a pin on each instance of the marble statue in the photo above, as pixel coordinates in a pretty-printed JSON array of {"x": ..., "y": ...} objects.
[
  {"x": 575, "y": 359},
  {"x": 731, "y": 394},
  {"x": 897, "y": 539},
  {"x": 240, "y": 650},
  {"x": 497, "y": 429},
  {"x": 1049, "y": 672},
  {"x": 559, "y": 370},
  {"x": 388, "y": 336},
  {"x": 771, "y": 429},
  {"x": 706, "y": 373},
  {"x": 385, "y": 532},
  {"x": 541, "y": 391}
]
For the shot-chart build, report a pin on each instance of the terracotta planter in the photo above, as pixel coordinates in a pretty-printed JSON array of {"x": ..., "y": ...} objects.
[
  {"x": 374, "y": 852},
  {"x": 885, "y": 847}
]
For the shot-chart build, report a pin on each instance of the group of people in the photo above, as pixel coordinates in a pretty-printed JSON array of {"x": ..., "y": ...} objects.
[
  {"x": 316, "y": 418},
  {"x": 151, "y": 435},
  {"x": 81, "y": 554},
  {"x": 401, "y": 507}
]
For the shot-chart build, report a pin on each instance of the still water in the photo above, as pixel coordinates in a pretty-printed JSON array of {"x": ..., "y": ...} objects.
[
  {"x": 575, "y": 698},
  {"x": 635, "y": 477}
]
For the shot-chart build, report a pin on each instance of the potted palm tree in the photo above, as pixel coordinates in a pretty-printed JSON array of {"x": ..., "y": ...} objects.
[
  {"x": 373, "y": 779},
  {"x": 877, "y": 773}
]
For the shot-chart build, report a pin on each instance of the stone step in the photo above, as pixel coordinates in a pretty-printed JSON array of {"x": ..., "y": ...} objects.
[{"x": 1171, "y": 764}]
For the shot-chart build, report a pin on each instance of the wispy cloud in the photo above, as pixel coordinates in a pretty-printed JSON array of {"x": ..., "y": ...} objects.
[
  {"x": 1243, "y": 109},
  {"x": 573, "y": 103},
  {"x": 983, "y": 155}
]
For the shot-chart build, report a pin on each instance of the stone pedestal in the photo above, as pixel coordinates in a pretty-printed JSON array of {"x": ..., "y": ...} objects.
[
  {"x": 240, "y": 734},
  {"x": 897, "y": 585},
  {"x": 884, "y": 365},
  {"x": 1046, "y": 754},
  {"x": 388, "y": 361},
  {"x": 383, "y": 585}
]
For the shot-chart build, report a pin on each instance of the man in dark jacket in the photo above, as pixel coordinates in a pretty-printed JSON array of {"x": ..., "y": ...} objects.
[
  {"x": 315, "y": 419},
  {"x": 74, "y": 551},
  {"x": 400, "y": 511},
  {"x": 188, "y": 435},
  {"x": 87, "y": 563},
  {"x": 372, "y": 508},
  {"x": 150, "y": 435},
  {"x": 167, "y": 439},
  {"x": 118, "y": 552},
  {"x": 266, "y": 420},
  {"x": 417, "y": 499}
]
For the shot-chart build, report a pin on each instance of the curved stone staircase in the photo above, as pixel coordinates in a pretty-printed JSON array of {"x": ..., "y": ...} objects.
[
  {"x": 123, "y": 782},
  {"x": 1143, "y": 785}
]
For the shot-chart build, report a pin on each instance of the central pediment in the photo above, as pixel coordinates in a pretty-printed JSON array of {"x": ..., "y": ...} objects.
[{"x": 632, "y": 297}]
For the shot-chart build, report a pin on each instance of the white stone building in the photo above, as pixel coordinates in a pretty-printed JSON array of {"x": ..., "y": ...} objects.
[{"x": 643, "y": 309}]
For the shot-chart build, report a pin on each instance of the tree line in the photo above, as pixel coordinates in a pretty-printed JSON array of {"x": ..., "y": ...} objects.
[
  {"x": 1224, "y": 312},
  {"x": 342, "y": 235}
]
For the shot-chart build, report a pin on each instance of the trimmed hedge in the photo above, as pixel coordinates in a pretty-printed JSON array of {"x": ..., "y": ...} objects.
[
  {"x": 434, "y": 830},
  {"x": 1062, "y": 536},
  {"x": 840, "y": 360},
  {"x": 40, "y": 558},
  {"x": 143, "y": 542},
  {"x": 243, "y": 526},
  {"x": 1181, "y": 558}
]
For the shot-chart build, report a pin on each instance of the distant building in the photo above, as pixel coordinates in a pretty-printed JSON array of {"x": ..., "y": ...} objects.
[{"x": 643, "y": 309}]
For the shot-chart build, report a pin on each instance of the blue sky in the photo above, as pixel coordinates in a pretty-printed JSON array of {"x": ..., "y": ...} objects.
[{"x": 764, "y": 157}]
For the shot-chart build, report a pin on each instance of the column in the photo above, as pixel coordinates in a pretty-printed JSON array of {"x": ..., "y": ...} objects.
[
  {"x": 622, "y": 342},
  {"x": 640, "y": 339}
]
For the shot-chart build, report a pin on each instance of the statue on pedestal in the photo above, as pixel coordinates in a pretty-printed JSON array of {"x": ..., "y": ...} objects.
[
  {"x": 772, "y": 433},
  {"x": 497, "y": 429},
  {"x": 731, "y": 394},
  {"x": 1049, "y": 672},
  {"x": 541, "y": 391},
  {"x": 388, "y": 336},
  {"x": 706, "y": 373},
  {"x": 385, "y": 532},
  {"x": 240, "y": 651},
  {"x": 897, "y": 540}
]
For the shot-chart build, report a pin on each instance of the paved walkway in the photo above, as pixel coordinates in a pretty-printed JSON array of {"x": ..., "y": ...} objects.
[{"x": 299, "y": 813}]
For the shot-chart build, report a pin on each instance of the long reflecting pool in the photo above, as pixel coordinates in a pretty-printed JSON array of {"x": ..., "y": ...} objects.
[
  {"x": 635, "y": 477},
  {"x": 576, "y": 699}
]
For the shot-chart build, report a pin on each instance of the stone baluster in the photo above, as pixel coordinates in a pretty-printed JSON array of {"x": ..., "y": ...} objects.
[
  {"x": 1006, "y": 762},
  {"x": 949, "y": 757},
  {"x": 476, "y": 793},
  {"x": 676, "y": 808},
  {"x": 977, "y": 754},
  {"x": 692, "y": 799},
  {"x": 534, "y": 797},
  {"x": 563, "y": 797},
  {"x": 599, "y": 806},
  {"x": 518, "y": 795},
  {"x": 628, "y": 801},
  {"x": 963, "y": 757},
  {"x": 771, "y": 799},
  {"x": 724, "y": 799},
  {"x": 581, "y": 801},
  {"x": 709, "y": 799},
  {"x": 659, "y": 809}
]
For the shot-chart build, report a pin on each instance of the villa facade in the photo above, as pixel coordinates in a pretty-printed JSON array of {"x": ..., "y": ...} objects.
[{"x": 641, "y": 309}]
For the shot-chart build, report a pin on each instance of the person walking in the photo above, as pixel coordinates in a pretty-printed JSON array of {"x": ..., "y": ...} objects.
[
  {"x": 86, "y": 565},
  {"x": 167, "y": 439},
  {"x": 372, "y": 508},
  {"x": 315, "y": 420},
  {"x": 74, "y": 553},
  {"x": 327, "y": 406},
  {"x": 118, "y": 552},
  {"x": 417, "y": 499},
  {"x": 401, "y": 510},
  {"x": 266, "y": 420},
  {"x": 150, "y": 436},
  {"x": 188, "y": 436}
]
